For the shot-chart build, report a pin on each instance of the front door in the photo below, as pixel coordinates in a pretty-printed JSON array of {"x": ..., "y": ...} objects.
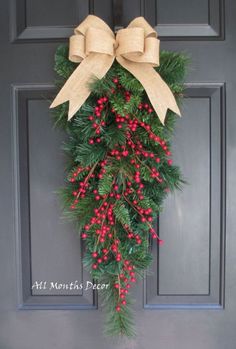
[{"x": 188, "y": 299}]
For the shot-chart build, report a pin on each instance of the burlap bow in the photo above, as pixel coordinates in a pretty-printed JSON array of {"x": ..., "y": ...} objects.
[{"x": 136, "y": 48}]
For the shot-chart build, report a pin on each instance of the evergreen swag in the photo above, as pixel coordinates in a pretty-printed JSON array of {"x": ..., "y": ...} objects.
[{"x": 119, "y": 173}]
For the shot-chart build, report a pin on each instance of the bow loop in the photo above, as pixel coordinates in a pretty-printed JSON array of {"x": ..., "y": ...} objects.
[
  {"x": 77, "y": 48},
  {"x": 92, "y": 21},
  {"x": 150, "y": 53},
  {"x": 126, "y": 42},
  {"x": 140, "y": 22}
]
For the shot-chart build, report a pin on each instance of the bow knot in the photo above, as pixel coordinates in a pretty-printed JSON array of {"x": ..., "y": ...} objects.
[{"x": 95, "y": 47}]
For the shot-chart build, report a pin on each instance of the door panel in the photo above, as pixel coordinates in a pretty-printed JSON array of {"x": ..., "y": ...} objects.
[
  {"x": 187, "y": 20},
  {"x": 188, "y": 298},
  {"x": 47, "y": 245},
  {"x": 190, "y": 268}
]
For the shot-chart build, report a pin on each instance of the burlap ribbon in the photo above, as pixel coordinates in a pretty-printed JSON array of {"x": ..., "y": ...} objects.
[{"x": 136, "y": 48}]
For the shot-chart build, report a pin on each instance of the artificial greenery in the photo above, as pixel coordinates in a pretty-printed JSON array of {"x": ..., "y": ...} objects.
[{"x": 119, "y": 172}]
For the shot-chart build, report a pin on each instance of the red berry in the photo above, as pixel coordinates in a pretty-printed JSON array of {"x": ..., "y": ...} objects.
[
  {"x": 94, "y": 254},
  {"x": 123, "y": 302},
  {"x": 118, "y": 308},
  {"x": 94, "y": 266}
]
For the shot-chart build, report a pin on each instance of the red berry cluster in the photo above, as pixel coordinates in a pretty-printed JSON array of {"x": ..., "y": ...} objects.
[
  {"x": 120, "y": 120},
  {"x": 119, "y": 152},
  {"x": 83, "y": 186},
  {"x": 100, "y": 259},
  {"x": 122, "y": 285},
  {"x": 98, "y": 123},
  {"x": 132, "y": 235},
  {"x": 76, "y": 172},
  {"x": 146, "y": 107},
  {"x": 100, "y": 105},
  {"x": 101, "y": 226},
  {"x": 127, "y": 94},
  {"x": 133, "y": 124}
]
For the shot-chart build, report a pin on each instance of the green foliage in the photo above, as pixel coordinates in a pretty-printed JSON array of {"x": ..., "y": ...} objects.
[
  {"x": 172, "y": 69},
  {"x": 115, "y": 136},
  {"x": 116, "y": 323},
  {"x": 63, "y": 66},
  {"x": 102, "y": 169},
  {"x": 122, "y": 213},
  {"x": 105, "y": 184},
  {"x": 86, "y": 155}
]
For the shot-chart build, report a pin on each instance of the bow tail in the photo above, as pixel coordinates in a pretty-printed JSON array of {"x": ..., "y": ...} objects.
[
  {"x": 159, "y": 94},
  {"x": 76, "y": 89}
]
